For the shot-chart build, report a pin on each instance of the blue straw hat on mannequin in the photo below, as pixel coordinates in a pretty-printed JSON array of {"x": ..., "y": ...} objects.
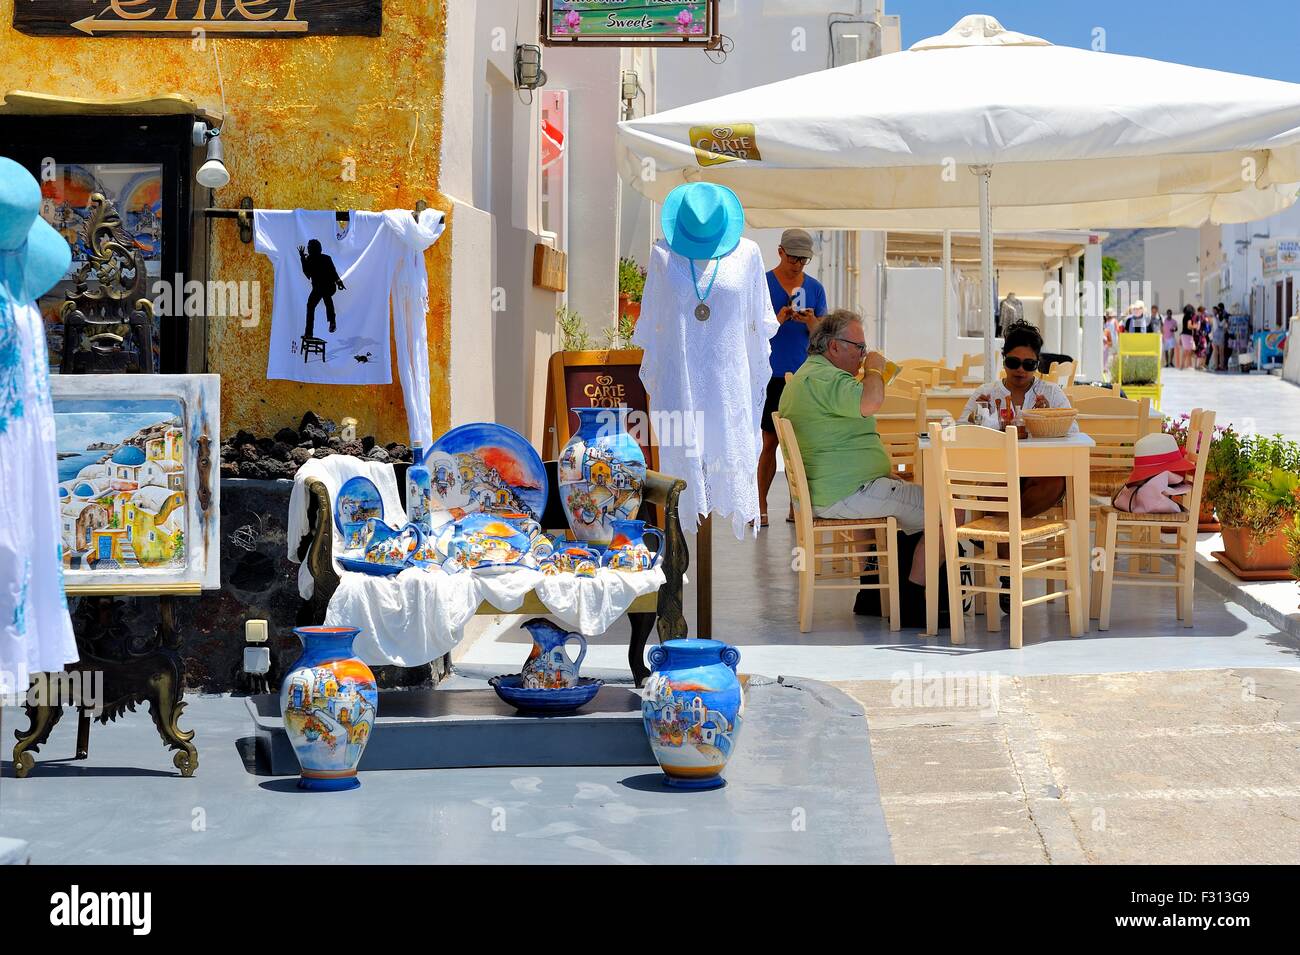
[
  {"x": 33, "y": 257},
  {"x": 702, "y": 220}
]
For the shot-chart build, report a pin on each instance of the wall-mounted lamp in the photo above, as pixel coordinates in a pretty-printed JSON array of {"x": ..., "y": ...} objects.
[
  {"x": 529, "y": 74},
  {"x": 212, "y": 173},
  {"x": 629, "y": 88}
]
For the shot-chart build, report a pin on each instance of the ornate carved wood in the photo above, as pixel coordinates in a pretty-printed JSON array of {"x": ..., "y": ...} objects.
[{"x": 108, "y": 327}]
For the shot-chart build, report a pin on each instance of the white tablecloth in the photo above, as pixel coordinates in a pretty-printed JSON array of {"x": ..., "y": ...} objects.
[{"x": 418, "y": 615}]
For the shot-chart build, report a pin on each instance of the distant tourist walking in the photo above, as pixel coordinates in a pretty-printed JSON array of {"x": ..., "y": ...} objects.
[
  {"x": 1187, "y": 339},
  {"x": 1220, "y": 338},
  {"x": 1109, "y": 340},
  {"x": 1169, "y": 338}
]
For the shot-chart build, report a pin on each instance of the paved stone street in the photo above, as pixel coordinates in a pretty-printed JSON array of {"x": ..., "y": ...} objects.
[
  {"x": 1197, "y": 766},
  {"x": 1263, "y": 403}
]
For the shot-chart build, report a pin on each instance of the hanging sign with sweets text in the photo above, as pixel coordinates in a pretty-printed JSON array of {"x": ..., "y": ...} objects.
[
  {"x": 629, "y": 22},
  {"x": 268, "y": 19}
]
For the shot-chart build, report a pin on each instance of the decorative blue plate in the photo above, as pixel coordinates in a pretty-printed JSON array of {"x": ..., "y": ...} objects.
[
  {"x": 357, "y": 502},
  {"x": 369, "y": 567},
  {"x": 509, "y": 688},
  {"x": 487, "y": 467}
]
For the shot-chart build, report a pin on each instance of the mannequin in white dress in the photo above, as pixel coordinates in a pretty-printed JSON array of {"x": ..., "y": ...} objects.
[
  {"x": 706, "y": 320},
  {"x": 35, "y": 631}
]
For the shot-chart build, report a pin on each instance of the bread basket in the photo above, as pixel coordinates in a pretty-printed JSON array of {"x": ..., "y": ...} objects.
[{"x": 1048, "y": 422}]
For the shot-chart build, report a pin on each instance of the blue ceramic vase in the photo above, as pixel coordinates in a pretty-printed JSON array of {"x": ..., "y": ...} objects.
[
  {"x": 419, "y": 493},
  {"x": 329, "y": 700},
  {"x": 693, "y": 707},
  {"x": 601, "y": 472}
]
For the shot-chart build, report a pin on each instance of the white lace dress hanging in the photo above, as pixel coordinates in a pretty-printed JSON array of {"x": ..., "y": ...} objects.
[{"x": 707, "y": 379}]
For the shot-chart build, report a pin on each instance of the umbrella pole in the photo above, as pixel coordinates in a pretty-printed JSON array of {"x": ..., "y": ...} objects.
[
  {"x": 986, "y": 269},
  {"x": 947, "y": 295}
]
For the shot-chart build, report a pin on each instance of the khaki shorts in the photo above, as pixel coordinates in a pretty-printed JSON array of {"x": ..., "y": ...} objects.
[{"x": 883, "y": 497}]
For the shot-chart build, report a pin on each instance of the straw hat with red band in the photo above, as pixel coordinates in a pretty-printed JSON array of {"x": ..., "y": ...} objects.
[{"x": 1155, "y": 453}]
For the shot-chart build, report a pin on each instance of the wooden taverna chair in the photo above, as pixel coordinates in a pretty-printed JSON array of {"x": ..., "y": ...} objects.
[
  {"x": 979, "y": 472},
  {"x": 830, "y": 548},
  {"x": 1121, "y": 534},
  {"x": 1077, "y": 393},
  {"x": 900, "y": 422}
]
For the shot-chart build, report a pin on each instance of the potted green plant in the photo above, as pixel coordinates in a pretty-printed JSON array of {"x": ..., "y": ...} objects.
[
  {"x": 1253, "y": 490},
  {"x": 1178, "y": 428},
  {"x": 1291, "y": 532},
  {"x": 631, "y": 285}
]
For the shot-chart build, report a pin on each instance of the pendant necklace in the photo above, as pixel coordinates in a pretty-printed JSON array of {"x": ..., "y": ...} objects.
[{"x": 702, "y": 310}]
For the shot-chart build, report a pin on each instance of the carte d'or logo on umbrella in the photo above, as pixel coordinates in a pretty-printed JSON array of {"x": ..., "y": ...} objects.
[{"x": 719, "y": 144}]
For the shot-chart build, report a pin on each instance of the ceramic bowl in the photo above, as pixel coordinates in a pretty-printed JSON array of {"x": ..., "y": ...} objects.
[{"x": 510, "y": 688}]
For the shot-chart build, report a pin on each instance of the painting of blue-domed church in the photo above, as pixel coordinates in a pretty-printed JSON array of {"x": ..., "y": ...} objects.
[
  {"x": 121, "y": 483},
  {"x": 138, "y": 482}
]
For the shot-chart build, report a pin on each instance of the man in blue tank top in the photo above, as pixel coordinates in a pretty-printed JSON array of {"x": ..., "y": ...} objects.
[{"x": 798, "y": 300}]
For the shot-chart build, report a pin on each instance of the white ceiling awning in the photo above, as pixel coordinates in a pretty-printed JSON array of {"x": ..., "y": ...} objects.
[
  {"x": 1079, "y": 139},
  {"x": 982, "y": 119}
]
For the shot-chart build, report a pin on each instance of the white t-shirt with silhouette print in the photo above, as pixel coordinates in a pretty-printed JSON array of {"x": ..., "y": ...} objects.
[{"x": 329, "y": 316}]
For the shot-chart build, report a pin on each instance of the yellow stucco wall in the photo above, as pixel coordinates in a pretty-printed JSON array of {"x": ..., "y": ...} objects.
[{"x": 295, "y": 111}]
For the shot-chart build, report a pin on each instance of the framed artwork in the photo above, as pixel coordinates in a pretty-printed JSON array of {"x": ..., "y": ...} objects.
[{"x": 139, "y": 492}]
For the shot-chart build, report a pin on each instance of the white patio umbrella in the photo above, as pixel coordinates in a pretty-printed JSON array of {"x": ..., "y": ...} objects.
[{"x": 937, "y": 136}]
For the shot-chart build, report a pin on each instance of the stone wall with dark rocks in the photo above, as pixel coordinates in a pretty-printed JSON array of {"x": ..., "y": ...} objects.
[
  {"x": 258, "y": 581},
  {"x": 245, "y": 455}
]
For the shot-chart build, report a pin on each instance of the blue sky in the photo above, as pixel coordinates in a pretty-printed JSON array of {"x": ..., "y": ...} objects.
[{"x": 1261, "y": 38}]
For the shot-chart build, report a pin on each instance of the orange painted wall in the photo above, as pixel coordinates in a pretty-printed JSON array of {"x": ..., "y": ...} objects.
[{"x": 295, "y": 111}]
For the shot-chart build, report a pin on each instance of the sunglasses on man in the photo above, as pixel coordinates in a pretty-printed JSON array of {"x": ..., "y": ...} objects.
[
  {"x": 1012, "y": 363},
  {"x": 862, "y": 349}
]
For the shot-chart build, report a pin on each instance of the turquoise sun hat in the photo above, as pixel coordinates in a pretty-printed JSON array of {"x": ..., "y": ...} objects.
[
  {"x": 33, "y": 257},
  {"x": 702, "y": 220}
]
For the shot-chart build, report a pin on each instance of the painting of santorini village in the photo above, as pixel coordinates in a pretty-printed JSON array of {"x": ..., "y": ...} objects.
[
  {"x": 121, "y": 483},
  {"x": 332, "y": 706},
  {"x": 678, "y": 717}
]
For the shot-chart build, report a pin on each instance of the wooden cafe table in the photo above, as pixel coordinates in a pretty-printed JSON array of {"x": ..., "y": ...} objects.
[{"x": 1065, "y": 457}]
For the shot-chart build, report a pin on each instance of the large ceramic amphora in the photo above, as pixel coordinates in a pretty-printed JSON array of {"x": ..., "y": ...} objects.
[
  {"x": 692, "y": 707},
  {"x": 601, "y": 472},
  {"x": 329, "y": 700}
]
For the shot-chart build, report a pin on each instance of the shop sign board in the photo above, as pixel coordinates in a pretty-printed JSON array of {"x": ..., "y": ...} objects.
[
  {"x": 1281, "y": 255},
  {"x": 597, "y": 379},
  {"x": 267, "y": 19},
  {"x": 630, "y": 23}
]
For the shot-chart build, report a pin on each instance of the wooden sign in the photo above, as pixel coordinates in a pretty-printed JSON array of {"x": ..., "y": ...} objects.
[
  {"x": 596, "y": 379},
  {"x": 550, "y": 268},
  {"x": 268, "y": 19}
]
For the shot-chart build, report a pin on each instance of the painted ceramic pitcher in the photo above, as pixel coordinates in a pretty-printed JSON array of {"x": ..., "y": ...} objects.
[
  {"x": 692, "y": 707},
  {"x": 329, "y": 700},
  {"x": 601, "y": 472},
  {"x": 548, "y": 667},
  {"x": 628, "y": 550}
]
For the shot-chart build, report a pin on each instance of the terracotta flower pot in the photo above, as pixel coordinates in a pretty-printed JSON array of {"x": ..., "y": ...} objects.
[{"x": 1248, "y": 555}]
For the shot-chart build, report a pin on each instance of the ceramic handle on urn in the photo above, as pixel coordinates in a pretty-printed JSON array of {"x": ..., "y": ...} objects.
[{"x": 657, "y": 657}]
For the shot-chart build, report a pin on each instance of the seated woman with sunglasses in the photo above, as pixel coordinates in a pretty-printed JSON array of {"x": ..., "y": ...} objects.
[{"x": 1022, "y": 347}]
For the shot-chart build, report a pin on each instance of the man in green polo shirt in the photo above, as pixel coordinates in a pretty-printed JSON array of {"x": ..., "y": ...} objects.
[{"x": 832, "y": 414}]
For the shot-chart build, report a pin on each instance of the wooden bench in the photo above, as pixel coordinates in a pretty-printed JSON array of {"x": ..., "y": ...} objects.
[{"x": 659, "y": 496}]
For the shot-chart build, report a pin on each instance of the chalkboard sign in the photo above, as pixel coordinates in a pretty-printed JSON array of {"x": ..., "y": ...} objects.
[
  {"x": 596, "y": 379},
  {"x": 268, "y": 19}
]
